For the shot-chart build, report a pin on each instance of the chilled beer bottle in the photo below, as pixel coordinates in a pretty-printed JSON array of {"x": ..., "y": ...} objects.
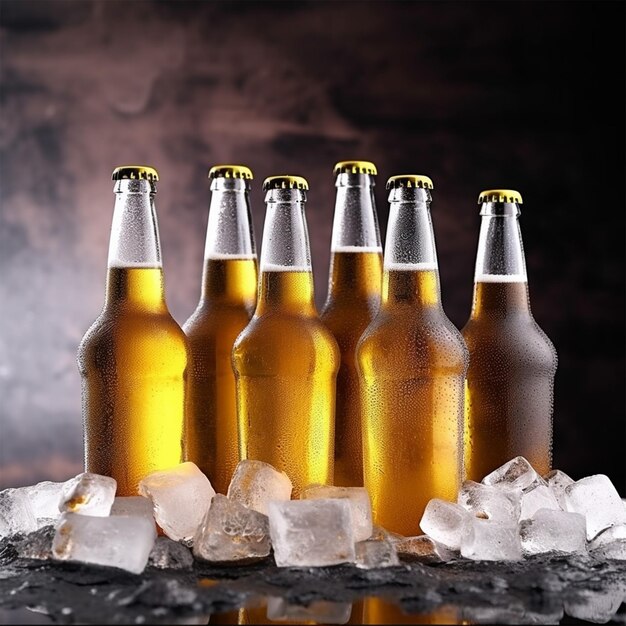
[
  {"x": 510, "y": 380},
  {"x": 412, "y": 364},
  {"x": 133, "y": 359},
  {"x": 226, "y": 305},
  {"x": 286, "y": 360},
  {"x": 353, "y": 300}
]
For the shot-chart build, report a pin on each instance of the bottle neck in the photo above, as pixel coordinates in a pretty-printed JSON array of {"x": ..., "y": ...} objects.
[
  {"x": 500, "y": 281},
  {"x": 411, "y": 270},
  {"x": 356, "y": 248},
  {"x": 286, "y": 273},
  {"x": 135, "y": 275}
]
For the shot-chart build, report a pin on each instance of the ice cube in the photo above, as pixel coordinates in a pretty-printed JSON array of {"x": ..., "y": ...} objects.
[
  {"x": 596, "y": 498},
  {"x": 376, "y": 553},
  {"x": 491, "y": 541},
  {"x": 379, "y": 533},
  {"x": 539, "y": 497},
  {"x": 359, "y": 503},
  {"x": 169, "y": 554},
  {"x": 445, "y": 522},
  {"x": 255, "y": 484},
  {"x": 423, "y": 549},
  {"x": 553, "y": 531},
  {"x": 45, "y": 498},
  {"x": 518, "y": 473},
  {"x": 118, "y": 541},
  {"x": 488, "y": 502},
  {"x": 88, "y": 494},
  {"x": 610, "y": 543},
  {"x": 135, "y": 506},
  {"x": 311, "y": 533},
  {"x": 180, "y": 496},
  {"x": 319, "y": 611},
  {"x": 230, "y": 532},
  {"x": 16, "y": 513},
  {"x": 558, "y": 481}
]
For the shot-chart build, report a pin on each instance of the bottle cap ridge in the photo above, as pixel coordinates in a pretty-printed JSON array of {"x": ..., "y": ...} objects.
[
  {"x": 135, "y": 172},
  {"x": 500, "y": 195},
  {"x": 285, "y": 182},
  {"x": 231, "y": 171},
  {"x": 410, "y": 180},
  {"x": 355, "y": 167}
]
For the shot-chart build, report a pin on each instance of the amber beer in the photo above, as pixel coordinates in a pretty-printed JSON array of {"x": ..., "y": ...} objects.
[
  {"x": 412, "y": 364},
  {"x": 227, "y": 302},
  {"x": 353, "y": 300},
  {"x": 286, "y": 360},
  {"x": 510, "y": 381},
  {"x": 133, "y": 359}
]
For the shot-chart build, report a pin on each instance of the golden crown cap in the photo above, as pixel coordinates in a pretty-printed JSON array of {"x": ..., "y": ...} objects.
[
  {"x": 355, "y": 167},
  {"x": 134, "y": 172},
  {"x": 410, "y": 180},
  {"x": 500, "y": 195},
  {"x": 231, "y": 171},
  {"x": 285, "y": 182}
]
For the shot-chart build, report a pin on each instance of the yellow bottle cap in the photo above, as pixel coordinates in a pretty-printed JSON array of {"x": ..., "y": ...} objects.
[
  {"x": 355, "y": 167},
  {"x": 135, "y": 172},
  {"x": 500, "y": 195},
  {"x": 410, "y": 180},
  {"x": 285, "y": 182},
  {"x": 231, "y": 171}
]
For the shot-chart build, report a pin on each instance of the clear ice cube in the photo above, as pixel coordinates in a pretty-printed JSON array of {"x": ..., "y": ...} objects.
[
  {"x": 376, "y": 553},
  {"x": 231, "y": 532},
  {"x": 558, "y": 481},
  {"x": 311, "y": 533},
  {"x": 255, "y": 484},
  {"x": 137, "y": 506},
  {"x": 119, "y": 541},
  {"x": 45, "y": 498},
  {"x": 517, "y": 473},
  {"x": 180, "y": 497},
  {"x": 359, "y": 502},
  {"x": 539, "y": 497},
  {"x": 16, "y": 513},
  {"x": 445, "y": 522},
  {"x": 596, "y": 498},
  {"x": 423, "y": 549},
  {"x": 491, "y": 541},
  {"x": 88, "y": 494},
  {"x": 550, "y": 530},
  {"x": 169, "y": 554},
  {"x": 318, "y": 611},
  {"x": 610, "y": 543},
  {"x": 488, "y": 502}
]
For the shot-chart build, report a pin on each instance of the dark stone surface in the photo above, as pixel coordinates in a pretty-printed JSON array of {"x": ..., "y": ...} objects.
[{"x": 553, "y": 589}]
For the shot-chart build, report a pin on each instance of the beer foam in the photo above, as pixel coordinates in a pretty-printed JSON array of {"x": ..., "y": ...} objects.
[
  {"x": 220, "y": 256},
  {"x": 500, "y": 278},
  {"x": 271, "y": 267},
  {"x": 119, "y": 264},
  {"x": 361, "y": 249},
  {"x": 411, "y": 267}
]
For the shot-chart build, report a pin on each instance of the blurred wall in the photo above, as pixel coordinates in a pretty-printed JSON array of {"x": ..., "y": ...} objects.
[{"x": 474, "y": 94}]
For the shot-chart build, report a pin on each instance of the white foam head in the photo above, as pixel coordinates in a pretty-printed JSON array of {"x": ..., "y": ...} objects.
[
  {"x": 500, "y": 278},
  {"x": 361, "y": 249},
  {"x": 410, "y": 267},
  {"x": 217, "y": 256},
  {"x": 272, "y": 267}
]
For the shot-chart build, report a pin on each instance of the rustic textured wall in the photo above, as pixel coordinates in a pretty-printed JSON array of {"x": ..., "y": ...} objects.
[{"x": 474, "y": 94}]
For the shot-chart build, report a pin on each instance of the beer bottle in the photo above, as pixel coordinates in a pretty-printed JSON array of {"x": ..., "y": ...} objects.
[
  {"x": 286, "y": 360},
  {"x": 510, "y": 380},
  {"x": 227, "y": 302},
  {"x": 133, "y": 359},
  {"x": 412, "y": 364},
  {"x": 353, "y": 300}
]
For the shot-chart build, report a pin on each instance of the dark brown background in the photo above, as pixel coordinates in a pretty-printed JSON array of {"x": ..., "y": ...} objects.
[{"x": 528, "y": 95}]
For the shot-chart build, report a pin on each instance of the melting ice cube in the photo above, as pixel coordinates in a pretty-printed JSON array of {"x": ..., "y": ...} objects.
[
  {"x": 553, "y": 531},
  {"x": 445, "y": 522},
  {"x": 518, "y": 473},
  {"x": 88, "y": 494},
  {"x": 255, "y": 484},
  {"x": 491, "y": 541}
]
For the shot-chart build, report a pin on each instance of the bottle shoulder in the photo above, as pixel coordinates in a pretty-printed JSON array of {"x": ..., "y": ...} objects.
[{"x": 214, "y": 318}]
